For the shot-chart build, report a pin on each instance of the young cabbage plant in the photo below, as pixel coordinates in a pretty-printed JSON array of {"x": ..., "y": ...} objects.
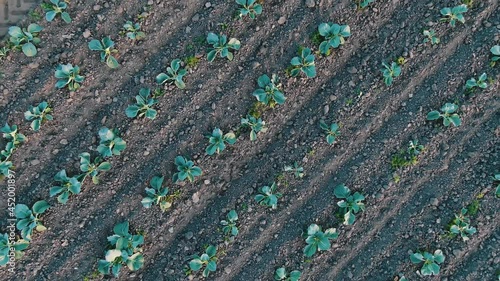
[
  {"x": 256, "y": 126},
  {"x": 352, "y": 204},
  {"x": 174, "y": 75},
  {"x": 7, "y": 247},
  {"x": 497, "y": 191},
  {"x": 143, "y": 105},
  {"x": 66, "y": 187},
  {"x": 229, "y": 225},
  {"x": 221, "y": 46},
  {"x": 334, "y": 36},
  {"x": 5, "y": 164},
  {"x": 268, "y": 196},
  {"x": 431, "y": 37},
  {"x": 297, "y": 171},
  {"x": 461, "y": 226},
  {"x": 390, "y": 72},
  {"x": 431, "y": 261},
  {"x": 106, "y": 49},
  {"x": 27, "y": 219},
  {"x": 38, "y": 114},
  {"x": 452, "y": 15},
  {"x": 217, "y": 141},
  {"x": 157, "y": 195},
  {"x": 133, "y": 31},
  {"x": 186, "y": 170},
  {"x": 282, "y": 275},
  {"x": 449, "y": 116},
  {"x": 124, "y": 250},
  {"x": 25, "y": 39},
  {"x": 68, "y": 75},
  {"x": 92, "y": 169},
  {"x": 364, "y": 3},
  {"x": 250, "y": 8},
  {"x": 11, "y": 134},
  {"x": 54, "y": 8},
  {"x": 495, "y": 52},
  {"x": 481, "y": 82},
  {"x": 110, "y": 143},
  {"x": 331, "y": 131},
  {"x": 303, "y": 63},
  {"x": 270, "y": 92},
  {"x": 318, "y": 240},
  {"x": 207, "y": 261}
]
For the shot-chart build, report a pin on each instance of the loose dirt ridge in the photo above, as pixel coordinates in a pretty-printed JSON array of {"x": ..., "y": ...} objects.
[{"x": 454, "y": 169}]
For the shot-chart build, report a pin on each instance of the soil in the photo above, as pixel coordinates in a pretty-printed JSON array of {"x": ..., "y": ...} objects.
[{"x": 376, "y": 122}]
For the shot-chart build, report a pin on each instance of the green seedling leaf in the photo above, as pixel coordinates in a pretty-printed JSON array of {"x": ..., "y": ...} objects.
[
  {"x": 268, "y": 196},
  {"x": 318, "y": 240},
  {"x": 174, "y": 75},
  {"x": 68, "y": 75},
  {"x": 282, "y": 274},
  {"x": 452, "y": 15},
  {"x": 106, "y": 49},
  {"x": 54, "y": 8},
  {"x": 110, "y": 144},
  {"x": 38, "y": 114},
  {"x": 229, "y": 225},
  {"x": 221, "y": 46},
  {"x": 334, "y": 35},
  {"x": 217, "y": 141},
  {"x": 390, "y": 72},
  {"x": 448, "y": 114},
  {"x": 186, "y": 170},
  {"x": 157, "y": 195},
  {"x": 304, "y": 63},
  {"x": 143, "y": 106},
  {"x": 133, "y": 31},
  {"x": 28, "y": 220},
  {"x": 431, "y": 261},
  {"x": 25, "y": 39},
  {"x": 256, "y": 126},
  {"x": 270, "y": 92},
  {"x": 249, "y": 8},
  {"x": 207, "y": 261},
  {"x": 351, "y": 204}
]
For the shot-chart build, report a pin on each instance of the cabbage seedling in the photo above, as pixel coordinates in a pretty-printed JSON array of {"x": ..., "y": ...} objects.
[
  {"x": 318, "y": 240},
  {"x": 207, "y": 261},
  {"x": 283, "y": 275},
  {"x": 297, "y": 171},
  {"x": 461, "y": 226},
  {"x": 331, "y": 131},
  {"x": 255, "y": 125},
  {"x": 143, "y": 105},
  {"x": 92, "y": 169},
  {"x": 431, "y": 37},
  {"x": 38, "y": 114},
  {"x": 407, "y": 157},
  {"x": 133, "y": 31},
  {"x": 229, "y": 225},
  {"x": 270, "y": 92},
  {"x": 157, "y": 195},
  {"x": 68, "y": 75},
  {"x": 217, "y": 141},
  {"x": 250, "y": 8},
  {"x": 27, "y": 219},
  {"x": 480, "y": 82},
  {"x": 5, "y": 154},
  {"x": 334, "y": 36},
  {"x": 390, "y": 72},
  {"x": 186, "y": 170},
  {"x": 106, "y": 47},
  {"x": 11, "y": 134},
  {"x": 268, "y": 196},
  {"x": 56, "y": 7},
  {"x": 495, "y": 51},
  {"x": 125, "y": 251},
  {"x": 110, "y": 144},
  {"x": 66, "y": 187},
  {"x": 452, "y": 15},
  {"x": 431, "y": 261},
  {"x": 364, "y": 3},
  {"x": 303, "y": 63},
  {"x": 6, "y": 246},
  {"x": 25, "y": 39},
  {"x": 351, "y": 205},
  {"x": 221, "y": 46},
  {"x": 448, "y": 115},
  {"x": 497, "y": 191},
  {"x": 174, "y": 75}
]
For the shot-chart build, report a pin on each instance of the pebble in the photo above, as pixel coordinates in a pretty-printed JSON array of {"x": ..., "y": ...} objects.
[
  {"x": 310, "y": 3},
  {"x": 326, "y": 109},
  {"x": 64, "y": 142},
  {"x": 196, "y": 17},
  {"x": 352, "y": 70},
  {"x": 208, "y": 5},
  {"x": 282, "y": 20},
  {"x": 188, "y": 235},
  {"x": 434, "y": 202},
  {"x": 195, "y": 197},
  {"x": 35, "y": 162},
  {"x": 97, "y": 7},
  {"x": 86, "y": 33}
]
